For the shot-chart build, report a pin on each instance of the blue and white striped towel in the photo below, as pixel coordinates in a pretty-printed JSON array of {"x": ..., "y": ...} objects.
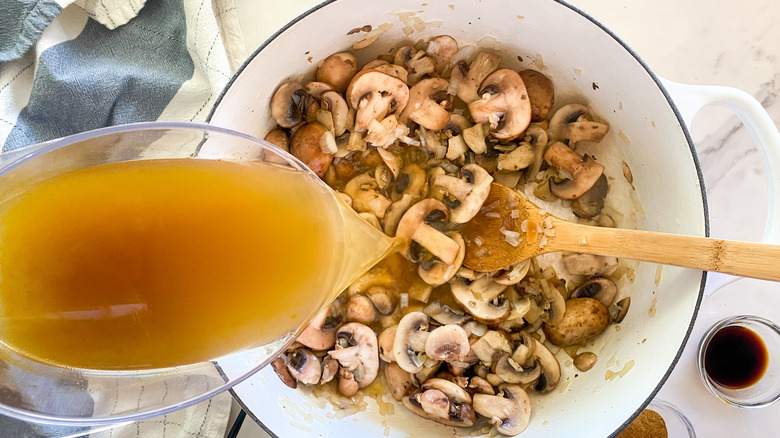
[{"x": 68, "y": 66}]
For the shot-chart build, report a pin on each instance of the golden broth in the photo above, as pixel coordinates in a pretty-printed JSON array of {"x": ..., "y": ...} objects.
[{"x": 157, "y": 263}]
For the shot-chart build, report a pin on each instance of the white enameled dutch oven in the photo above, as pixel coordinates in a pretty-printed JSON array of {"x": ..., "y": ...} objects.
[{"x": 648, "y": 119}]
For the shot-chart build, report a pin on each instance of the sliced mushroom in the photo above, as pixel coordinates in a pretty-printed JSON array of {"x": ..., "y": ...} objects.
[
  {"x": 513, "y": 274},
  {"x": 556, "y": 304},
  {"x": 509, "y": 411},
  {"x": 338, "y": 70},
  {"x": 399, "y": 381},
  {"x": 288, "y": 105},
  {"x": 304, "y": 366},
  {"x": 374, "y": 95},
  {"x": 357, "y": 351},
  {"x": 586, "y": 130},
  {"x": 280, "y": 368},
  {"x": 316, "y": 89},
  {"x": 436, "y": 272},
  {"x": 320, "y": 334},
  {"x": 512, "y": 372},
  {"x": 538, "y": 138},
  {"x": 410, "y": 181},
  {"x": 382, "y": 300},
  {"x": 478, "y": 385},
  {"x": 306, "y": 145},
  {"x": 482, "y": 299},
  {"x": 474, "y": 137},
  {"x": 444, "y": 314},
  {"x": 503, "y": 104},
  {"x": 348, "y": 386},
  {"x": 584, "y": 319},
  {"x": 443, "y": 402},
  {"x": 489, "y": 345},
  {"x": 413, "y": 228},
  {"x": 470, "y": 189},
  {"x": 600, "y": 288},
  {"x": 466, "y": 79},
  {"x": 393, "y": 70},
  {"x": 541, "y": 93},
  {"x": 365, "y": 197},
  {"x": 447, "y": 343},
  {"x": 278, "y": 138},
  {"x": 441, "y": 48},
  {"x": 589, "y": 265},
  {"x": 395, "y": 212},
  {"x": 337, "y": 106},
  {"x": 409, "y": 343},
  {"x": 360, "y": 309},
  {"x": 427, "y": 105},
  {"x": 385, "y": 341},
  {"x": 330, "y": 368},
  {"x": 551, "y": 369},
  {"x": 585, "y": 171},
  {"x": 559, "y": 122},
  {"x": 591, "y": 202},
  {"x": 519, "y": 158},
  {"x": 416, "y": 62},
  {"x": 622, "y": 309}
]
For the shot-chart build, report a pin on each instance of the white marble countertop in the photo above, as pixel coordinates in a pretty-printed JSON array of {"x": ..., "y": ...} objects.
[{"x": 712, "y": 42}]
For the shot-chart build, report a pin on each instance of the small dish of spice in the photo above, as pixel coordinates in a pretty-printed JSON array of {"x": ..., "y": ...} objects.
[
  {"x": 659, "y": 420},
  {"x": 735, "y": 361}
]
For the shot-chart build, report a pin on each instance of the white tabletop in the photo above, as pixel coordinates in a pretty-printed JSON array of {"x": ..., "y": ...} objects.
[{"x": 712, "y": 42}]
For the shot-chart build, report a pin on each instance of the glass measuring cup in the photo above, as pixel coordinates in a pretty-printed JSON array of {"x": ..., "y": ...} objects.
[{"x": 37, "y": 390}]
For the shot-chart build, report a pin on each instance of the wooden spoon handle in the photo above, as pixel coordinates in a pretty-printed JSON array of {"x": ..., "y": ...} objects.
[{"x": 744, "y": 259}]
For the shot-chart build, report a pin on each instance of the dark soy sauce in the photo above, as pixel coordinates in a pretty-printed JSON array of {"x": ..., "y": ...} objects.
[{"x": 736, "y": 357}]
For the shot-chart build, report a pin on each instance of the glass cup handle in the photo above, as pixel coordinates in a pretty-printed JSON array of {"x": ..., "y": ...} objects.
[{"x": 689, "y": 99}]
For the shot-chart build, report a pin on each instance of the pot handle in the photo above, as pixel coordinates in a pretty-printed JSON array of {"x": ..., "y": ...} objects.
[{"x": 692, "y": 98}]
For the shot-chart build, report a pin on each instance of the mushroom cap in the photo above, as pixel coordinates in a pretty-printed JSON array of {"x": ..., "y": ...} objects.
[
  {"x": 583, "y": 320},
  {"x": 510, "y": 411},
  {"x": 360, "y": 309},
  {"x": 477, "y": 299},
  {"x": 357, "y": 351},
  {"x": 423, "y": 106},
  {"x": 409, "y": 342},
  {"x": 433, "y": 404},
  {"x": 541, "y": 93},
  {"x": 305, "y": 146},
  {"x": 365, "y": 197},
  {"x": 585, "y": 171},
  {"x": 338, "y": 70},
  {"x": 448, "y": 343},
  {"x": 288, "y": 105},
  {"x": 374, "y": 95},
  {"x": 503, "y": 104},
  {"x": 600, "y": 288}
]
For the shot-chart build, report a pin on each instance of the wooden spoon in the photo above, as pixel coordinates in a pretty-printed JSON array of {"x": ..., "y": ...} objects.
[{"x": 499, "y": 237}]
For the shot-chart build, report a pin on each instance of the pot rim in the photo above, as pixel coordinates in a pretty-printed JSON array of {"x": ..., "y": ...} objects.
[{"x": 672, "y": 105}]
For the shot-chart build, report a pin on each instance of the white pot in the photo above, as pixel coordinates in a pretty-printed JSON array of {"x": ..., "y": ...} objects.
[{"x": 587, "y": 63}]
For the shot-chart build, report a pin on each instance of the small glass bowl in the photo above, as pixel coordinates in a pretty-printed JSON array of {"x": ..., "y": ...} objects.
[
  {"x": 767, "y": 389},
  {"x": 677, "y": 424}
]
